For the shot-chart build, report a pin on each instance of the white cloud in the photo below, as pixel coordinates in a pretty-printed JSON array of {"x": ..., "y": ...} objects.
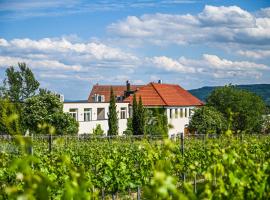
[
  {"x": 210, "y": 65},
  {"x": 232, "y": 16},
  {"x": 224, "y": 64},
  {"x": 6, "y": 61},
  {"x": 53, "y": 52},
  {"x": 256, "y": 54},
  {"x": 214, "y": 24},
  {"x": 169, "y": 64}
]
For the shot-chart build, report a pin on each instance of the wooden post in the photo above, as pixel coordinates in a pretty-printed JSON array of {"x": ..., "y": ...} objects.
[
  {"x": 182, "y": 144},
  {"x": 182, "y": 152},
  {"x": 102, "y": 194},
  {"x": 50, "y": 142},
  {"x": 195, "y": 183},
  {"x": 138, "y": 193}
]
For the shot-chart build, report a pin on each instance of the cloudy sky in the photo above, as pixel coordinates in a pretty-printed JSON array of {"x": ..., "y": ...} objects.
[{"x": 71, "y": 45}]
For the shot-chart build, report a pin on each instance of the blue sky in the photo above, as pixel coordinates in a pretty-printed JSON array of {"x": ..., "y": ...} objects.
[{"x": 71, "y": 45}]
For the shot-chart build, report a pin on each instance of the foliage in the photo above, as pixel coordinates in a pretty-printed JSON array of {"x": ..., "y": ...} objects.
[
  {"x": 129, "y": 129},
  {"x": 9, "y": 118},
  {"x": 82, "y": 168},
  {"x": 156, "y": 122},
  {"x": 207, "y": 120},
  {"x": 141, "y": 117},
  {"x": 46, "y": 108},
  {"x": 112, "y": 116},
  {"x": 138, "y": 117},
  {"x": 262, "y": 90},
  {"x": 266, "y": 124},
  {"x": 245, "y": 108},
  {"x": 135, "y": 117},
  {"x": 64, "y": 123},
  {"x": 19, "y": 85},
  {"x": 98, "y": 131}
]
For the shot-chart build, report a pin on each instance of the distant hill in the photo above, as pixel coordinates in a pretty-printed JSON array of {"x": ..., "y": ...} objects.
[{"x": 262, "y": 90}]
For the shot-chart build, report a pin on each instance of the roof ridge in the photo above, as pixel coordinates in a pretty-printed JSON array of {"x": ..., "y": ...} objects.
[{"x": 159, "y": 94}]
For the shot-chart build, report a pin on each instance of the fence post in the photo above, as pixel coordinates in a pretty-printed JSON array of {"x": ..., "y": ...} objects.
[
  {"x": 195, "y": 183},
  {"x": 182, "y": 144},
  {"x": 50, "y": 142},
  {"x": 138, "y": 193},
  {"x": 182, "y": 152},
  {"x": 102, "y": 194}
]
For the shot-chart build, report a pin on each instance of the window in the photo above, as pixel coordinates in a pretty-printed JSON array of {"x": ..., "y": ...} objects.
[
  {"x": 100, "y": 113},
  {"x": 99, "y": 98},
  {"x": 123, "y": 113},
  {"x": 181, "y": 112},
  {"x": 185, "y": 112},
  {"x": 87, "y": 114},
  {"x": 74, "y": 113},
  {"x": 176, "y": 113},
  {"x": 190, "y": 112},
  {"x": 171, "y": 114}
]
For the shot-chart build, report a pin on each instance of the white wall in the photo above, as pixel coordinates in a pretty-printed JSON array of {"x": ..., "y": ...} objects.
[
  {"x": 177, "y": 121},
  {"x": 86, "y": 127}
]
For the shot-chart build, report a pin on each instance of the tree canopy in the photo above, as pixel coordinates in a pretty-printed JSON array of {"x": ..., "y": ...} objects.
[
  {"x": 207, "y": 120},
  {"x": 46, "y": 108},
  {"x": 242, "y": 109},
  {"x": 19, "y": 84}
]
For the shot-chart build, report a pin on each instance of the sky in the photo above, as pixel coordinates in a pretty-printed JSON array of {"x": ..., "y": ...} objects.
[{"x": 72, "y": 45}]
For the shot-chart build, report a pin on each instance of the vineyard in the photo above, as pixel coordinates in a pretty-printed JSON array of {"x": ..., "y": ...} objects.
[{"x": 198, "y": 167}]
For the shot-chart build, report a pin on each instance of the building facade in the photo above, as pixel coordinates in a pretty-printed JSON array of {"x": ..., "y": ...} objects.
[{"x": 177, "y": 103}]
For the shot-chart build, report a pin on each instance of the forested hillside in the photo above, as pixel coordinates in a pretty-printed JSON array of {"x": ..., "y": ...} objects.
[{"x": 262, "y": 90}]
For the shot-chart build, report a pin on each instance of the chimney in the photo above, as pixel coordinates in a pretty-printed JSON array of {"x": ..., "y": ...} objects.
[
  {"x": 128, "y": 85},
  {"x": 160, "y": 81}
]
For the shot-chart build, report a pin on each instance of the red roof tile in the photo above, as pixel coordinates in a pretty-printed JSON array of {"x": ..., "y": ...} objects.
[
  {"x": 156, "y": 94},
  {"x": 106, "y": 91}
]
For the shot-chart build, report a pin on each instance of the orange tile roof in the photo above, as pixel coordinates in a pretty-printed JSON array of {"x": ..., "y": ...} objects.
[
  {"x": 156, "y": 94},
  {"x": 106, "y": 91}
]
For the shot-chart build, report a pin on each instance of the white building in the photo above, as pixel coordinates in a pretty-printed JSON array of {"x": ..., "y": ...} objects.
[
  {"x": 177, "y": 103},
  {"x": 89, "y": 115}
]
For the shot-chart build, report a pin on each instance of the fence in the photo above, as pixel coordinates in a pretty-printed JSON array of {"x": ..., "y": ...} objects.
[{"x": 48, "y": 141}]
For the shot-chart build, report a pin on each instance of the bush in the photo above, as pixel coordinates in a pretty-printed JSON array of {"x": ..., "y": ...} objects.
[{"x": 207, "y": 120}]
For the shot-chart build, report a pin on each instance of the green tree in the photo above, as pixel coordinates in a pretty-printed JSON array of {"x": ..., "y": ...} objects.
[
  {"x": 207, "y": 120},
  {"x": 46, "y": 108},
  {"x": 135, "y": 123},
  {"x": 64, "y": 123},
  {"x": 9, "y": 118},
  {"x": 98, "y": 131},
  {"x": 112, "y": 116},
  {"x": 156, "y": 122},
  {"x": 244, "y": 109},
  {"x": 129, "y": 129},
  {"x": 141, "y": 117},
  {"x": 19, "y": 85}
]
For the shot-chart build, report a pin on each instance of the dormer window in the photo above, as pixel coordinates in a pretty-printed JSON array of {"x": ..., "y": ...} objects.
[{"x": 99, "y": 98}]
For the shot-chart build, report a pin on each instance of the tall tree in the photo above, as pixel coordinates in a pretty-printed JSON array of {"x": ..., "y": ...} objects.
[
  {"x": 141, "y": 117},
  {"x": 46, "y": 108},
  {"x": 112, "y": 116},
  {"x": 20, "y": 85},
  {"x": 243, "y": 109},
  {"x": 135, "y": 116}
]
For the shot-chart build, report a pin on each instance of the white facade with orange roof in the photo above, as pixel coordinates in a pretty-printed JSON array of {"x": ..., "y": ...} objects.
[{"x": 177, "y": 103}]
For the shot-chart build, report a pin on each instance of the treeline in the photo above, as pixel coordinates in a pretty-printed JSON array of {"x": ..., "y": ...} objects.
[
  {"x": 25, "y": 108},
  {"x": 228, "y": 110}
]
